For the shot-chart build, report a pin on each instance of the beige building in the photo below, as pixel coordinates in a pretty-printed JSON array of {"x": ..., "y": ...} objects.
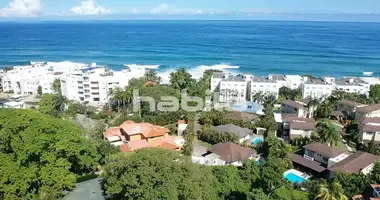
[
  {"x": 369, "y": 128},
  {"x": 294, "y": 107},
  {"x": 368, "y": 111}
]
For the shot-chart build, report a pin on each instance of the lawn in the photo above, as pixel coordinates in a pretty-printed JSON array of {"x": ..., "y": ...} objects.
[
  {"x": 205, "y": 144},
  {"x": 341, "y": 145}
]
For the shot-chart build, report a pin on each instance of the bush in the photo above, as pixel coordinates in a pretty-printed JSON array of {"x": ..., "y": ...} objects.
[{"x": 213, "y": 137}]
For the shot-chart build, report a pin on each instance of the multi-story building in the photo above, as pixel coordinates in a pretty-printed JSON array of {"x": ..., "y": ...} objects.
[
  {"x": 233, "y": 89},
  {"x": 318, "y": 157},
  {"x": 352, "y": 85},
  {"x": 294, "y": 127},
  {"x": 367, "y": 111},
  {"x": 264, "y": 86},
  {"x": 93, "y": 84},
  {"x": 215, "y": 80},
  {"x": 369, "y": 129},
  {"x": 25, "y": 80},
  {"x": 294, "y": 81},
  {"x": 317, "y": 88}
]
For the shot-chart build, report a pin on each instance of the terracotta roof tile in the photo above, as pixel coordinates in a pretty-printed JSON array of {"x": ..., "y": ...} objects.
[
  {"x": 146, "y": 129},
  {"x": 138, "y": 144},
  {"x": 168, "y": 145},
  {"x": 125, "y": 148},
  {"x": 114, "y": 131},
  {"x": 181, "y": 122}
]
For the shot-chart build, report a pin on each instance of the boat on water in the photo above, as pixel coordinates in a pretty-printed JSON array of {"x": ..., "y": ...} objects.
[{"x": 367, "y": 73}]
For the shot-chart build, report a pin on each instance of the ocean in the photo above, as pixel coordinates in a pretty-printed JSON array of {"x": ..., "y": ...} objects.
[{"x": 255, "y": 47}]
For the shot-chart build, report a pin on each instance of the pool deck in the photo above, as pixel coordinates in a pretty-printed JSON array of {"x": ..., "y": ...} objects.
[{"x": 298, "y": 173}]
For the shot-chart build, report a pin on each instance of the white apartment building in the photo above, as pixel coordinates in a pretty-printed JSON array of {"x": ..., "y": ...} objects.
[
  {"x": 317, "y": 88},
  {"x": 293, "y": 81},
  {"x": 215, "y": 80},
  {"x": 266, "y": 86},
  {"x": 25, "y": 80},
  {"x": 233, "y": 89},
  {"x": 352, "y": 85},
  {"x": 93, "y": 84}
]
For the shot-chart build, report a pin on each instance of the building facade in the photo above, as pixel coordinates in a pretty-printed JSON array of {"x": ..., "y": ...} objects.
[{"x": 316, "y": 89}]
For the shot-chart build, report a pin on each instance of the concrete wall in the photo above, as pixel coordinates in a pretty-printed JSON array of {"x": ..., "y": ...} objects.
[
  {"x": 366, "y": 137},
  {"x": 294, "y": 133},
  {"x": 368, "y": 169}
]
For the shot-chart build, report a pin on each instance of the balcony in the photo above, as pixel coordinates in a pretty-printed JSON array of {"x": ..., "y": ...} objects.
[{"x": 308, "y": 157}]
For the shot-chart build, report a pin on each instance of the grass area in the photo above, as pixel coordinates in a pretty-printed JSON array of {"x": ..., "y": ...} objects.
[
  {"x": 341, "y": 145},
  {"x": 205, "y": 144}
]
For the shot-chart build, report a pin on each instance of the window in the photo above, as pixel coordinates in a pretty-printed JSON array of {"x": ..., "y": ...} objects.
[{"x": 325, "y": 159}]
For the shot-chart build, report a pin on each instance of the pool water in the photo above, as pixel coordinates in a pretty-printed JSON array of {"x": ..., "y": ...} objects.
[
  {"x": 294, "y": 178},
  {"x": 256, "y": 141}
]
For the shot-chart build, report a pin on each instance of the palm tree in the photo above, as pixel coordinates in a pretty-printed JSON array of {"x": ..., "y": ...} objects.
[
  {"x": 332, "y": 191},
  {"x": 324, "y": 109},
  {"x": 312, "y": 106},
  {"x": 258, "y": 97},
  {"x": 180, "y": 79},
  {"x": 151, "y": 75},
  {"x": 116, "y": 97},
  {"x": 269, "y": 100},
  {"x": 327, "y": 132}
]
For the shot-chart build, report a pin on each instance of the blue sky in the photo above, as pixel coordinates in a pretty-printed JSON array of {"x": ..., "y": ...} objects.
[{"x": 346, "y": 10}]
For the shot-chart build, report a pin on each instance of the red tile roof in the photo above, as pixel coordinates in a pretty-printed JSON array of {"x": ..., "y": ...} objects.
[
  {"x": 146, "y": 129},
  {"x": 114, "y": 131},
  {"x": 181, "y": 122},
  {"x": 138, "y": 144},
  {"x": 125, "y": 148}
]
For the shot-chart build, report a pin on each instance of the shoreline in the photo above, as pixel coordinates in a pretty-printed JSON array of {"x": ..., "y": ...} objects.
[{"x": 197, "y": 71}]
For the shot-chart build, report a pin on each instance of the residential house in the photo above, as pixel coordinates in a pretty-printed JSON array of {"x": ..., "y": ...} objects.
[
  {"x": 348, "y": 107},
  {"x": 131, "y": 136},
  {"x": 318, "y": 157},
  {"x": 294, "y": 107},
  {"x": 317, "y": 88},
  {"x": 226, "y": 154},
  {"x": 295, "y": 127},
  {"x": 369, "y": 128},
  {"x": 359, "y": 162},
  {"x": 372, "y": 110},
  {"x": 243, "y": 134}
]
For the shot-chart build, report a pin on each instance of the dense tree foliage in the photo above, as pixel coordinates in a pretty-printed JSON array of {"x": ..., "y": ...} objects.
[
  {"x": 324, "y": 109},
  {"x": 211, "y": 136},
  {"x": 39, "y": 90},
  {"x": 180, "y": 79},
  {"x": 286, "y": 93},
  {"x": 41, "y": 156},
  {"x": 188, "y": 147},
  {"x": 327, "y": 133},
  {"x": 157, "y": 174},
  {"x": 331, "y": 191},
  {"x": 374, "y": 93}
]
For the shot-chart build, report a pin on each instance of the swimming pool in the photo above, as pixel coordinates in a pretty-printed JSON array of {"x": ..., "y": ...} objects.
[
  {"x": 294, "y": 178},
  {"x": 257, "y": 141}
]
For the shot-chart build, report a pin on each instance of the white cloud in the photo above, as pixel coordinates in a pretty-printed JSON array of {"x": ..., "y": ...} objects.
[
  {"x": 165, "y": 9},
  {"x": 134, "y": 11},
  {"x": 161, "y": 9},
  {"x": 21, "y": 8},
  {"x": 89, "y": 7}
]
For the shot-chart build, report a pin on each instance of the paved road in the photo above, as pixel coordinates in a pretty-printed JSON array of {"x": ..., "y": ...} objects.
[{"x": 198, "y": 149}]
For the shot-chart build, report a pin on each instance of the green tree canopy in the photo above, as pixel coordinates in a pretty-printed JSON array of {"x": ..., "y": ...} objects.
[
  {"x": 157, "y": 174},
  {"x": 328, "y": 134},
  {"x": 374, "y": 92},
  {"x": 41, "y": 155},
  {"x": 180, "y": 79},
  {"x": 39, "y": 90}
]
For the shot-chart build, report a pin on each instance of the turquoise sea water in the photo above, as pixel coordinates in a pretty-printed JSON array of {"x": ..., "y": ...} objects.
[
  {"x": 258, "y": 47},
  {"x": 294, "y": 178}
]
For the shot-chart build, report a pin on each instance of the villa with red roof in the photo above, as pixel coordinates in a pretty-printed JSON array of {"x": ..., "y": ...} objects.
[{"x": 131, "y": 136}]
